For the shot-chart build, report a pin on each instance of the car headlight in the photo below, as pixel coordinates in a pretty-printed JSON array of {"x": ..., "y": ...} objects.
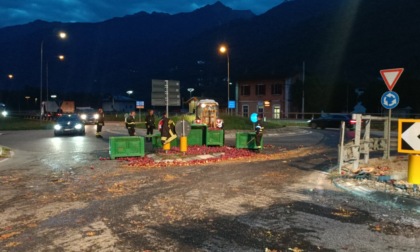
[
  {"x": 96, "y": 116},
  {"x": 57, "y": 127},
  {"x": 83, "y": 116},
  {"x": 78, "y": 126},
  {"x": 4, "y": 113}
]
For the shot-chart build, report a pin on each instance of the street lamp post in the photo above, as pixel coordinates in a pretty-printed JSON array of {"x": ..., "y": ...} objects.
[
  {"x": 224, "y": 49},
  {"x": 60, "y": 58},
  {"x": 190, "y": 90},
  {"x": 61, "y": 35}
]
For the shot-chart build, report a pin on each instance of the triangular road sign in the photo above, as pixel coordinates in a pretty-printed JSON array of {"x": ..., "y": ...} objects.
[{"x": 391, "y": 76}]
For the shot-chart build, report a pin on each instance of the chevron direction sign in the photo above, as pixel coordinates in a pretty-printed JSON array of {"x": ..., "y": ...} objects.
[{"x": 409, "y": 136}]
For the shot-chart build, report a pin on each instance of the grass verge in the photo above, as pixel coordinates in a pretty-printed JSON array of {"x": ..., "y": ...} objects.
[{"x": 14, "y": 123}]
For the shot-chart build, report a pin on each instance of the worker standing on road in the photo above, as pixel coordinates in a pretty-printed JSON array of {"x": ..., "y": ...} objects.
[
  {"x": 259, "y": 131},
  {"x": 150, "y": 125},
  {"x": 167, "y": 129},
  {"x": 130, "y": 123},
  {"x": 100, "y": 122}
]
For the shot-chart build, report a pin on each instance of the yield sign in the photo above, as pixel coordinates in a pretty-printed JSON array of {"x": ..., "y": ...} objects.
[
  {"x": 409, "y": 136},
  {"x": 391, "y": 76}
]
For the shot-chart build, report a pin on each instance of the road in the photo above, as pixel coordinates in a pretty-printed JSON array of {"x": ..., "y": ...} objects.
[{"x": 56, "y": 195}]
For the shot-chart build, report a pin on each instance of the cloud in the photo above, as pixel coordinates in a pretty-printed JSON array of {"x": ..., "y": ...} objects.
[{"x": 14, "y": 12}]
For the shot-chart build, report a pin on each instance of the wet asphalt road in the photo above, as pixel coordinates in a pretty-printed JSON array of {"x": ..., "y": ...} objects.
[{"x": 56, "y": 195}]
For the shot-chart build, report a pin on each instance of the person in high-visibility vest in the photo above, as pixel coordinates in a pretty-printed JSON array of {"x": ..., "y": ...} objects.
[
  {"x": 100, "y": 122},
  {"x": 259, "y": 131},
  {"x": 130, "y": 123},
  {"x": 167, "y": 129},
  {"x": 150, "y": 125}
]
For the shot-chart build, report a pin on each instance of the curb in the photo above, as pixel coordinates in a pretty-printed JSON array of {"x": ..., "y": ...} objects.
[{"x": 228, "y": 133}]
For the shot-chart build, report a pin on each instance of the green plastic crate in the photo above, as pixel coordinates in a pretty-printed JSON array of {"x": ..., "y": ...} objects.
[
  {"x": 132, "y": 146},
  {"x": 197, "y": 135},
  {"x": 215, "y": 137},
  {"x": 246, "y": 140},
  {"x": 156, "y": 143}
]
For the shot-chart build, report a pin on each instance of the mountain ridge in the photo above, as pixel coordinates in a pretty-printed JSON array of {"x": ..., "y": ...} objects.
[{"x": 340, "y": 41}]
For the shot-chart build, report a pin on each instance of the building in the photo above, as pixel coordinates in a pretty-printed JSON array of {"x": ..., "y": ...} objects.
[
  {"x": 118, "y": 103},
  {"x": 268, "y": 97}
]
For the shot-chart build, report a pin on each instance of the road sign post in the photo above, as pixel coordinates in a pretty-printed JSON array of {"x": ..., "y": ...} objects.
[
  {"x": 390, "y": 99},
  {"x": 183, "y": 128}
]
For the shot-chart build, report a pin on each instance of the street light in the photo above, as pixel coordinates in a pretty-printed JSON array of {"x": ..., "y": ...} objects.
[
  {"x": 61, "y": 35},
  {"x": 129, "y": 92},
  {"x": 190, "y": 90},
  {"x": 223, "y": 49}
]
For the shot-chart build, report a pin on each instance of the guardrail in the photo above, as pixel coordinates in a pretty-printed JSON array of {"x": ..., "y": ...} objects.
[{"x": 362, "y": 145}]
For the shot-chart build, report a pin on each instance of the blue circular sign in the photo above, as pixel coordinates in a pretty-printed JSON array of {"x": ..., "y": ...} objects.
[
  {"x": 254, "y": 117},
  {"x": 390, "y": 99}
]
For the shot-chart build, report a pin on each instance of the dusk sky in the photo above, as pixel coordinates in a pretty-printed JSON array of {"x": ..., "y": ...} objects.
[{"x": 14, "y": 12}]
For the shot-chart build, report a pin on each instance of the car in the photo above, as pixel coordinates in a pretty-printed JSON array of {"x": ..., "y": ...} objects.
[
  {"x": 332, "y": 121},
  {"x": 88, "y": 115},
  {"x": 69, "y": 124}
]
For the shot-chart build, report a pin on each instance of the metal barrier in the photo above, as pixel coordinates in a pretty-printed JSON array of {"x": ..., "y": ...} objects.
[{"x": 362, "y": 145}]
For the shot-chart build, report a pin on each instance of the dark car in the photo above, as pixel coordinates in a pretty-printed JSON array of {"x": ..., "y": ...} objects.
[
  {"x": 69, "y": 124},
  {"x": 88, "y": 115},
  {"x": 332, "y": 121}
]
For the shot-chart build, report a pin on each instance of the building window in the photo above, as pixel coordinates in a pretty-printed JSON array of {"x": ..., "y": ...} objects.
[
  {"x": 260, "y": 89},
  {"x": 276, "y": 89},
  {"x": 245, "y": 111},
  {"x": 245, "y": 90},
  {"x": 276, "y": 112}
]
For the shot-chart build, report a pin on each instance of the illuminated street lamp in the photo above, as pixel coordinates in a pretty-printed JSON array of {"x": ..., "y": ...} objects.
[
  {"x": 224, "y": 50},
  {"x": 190, "y": 90},
  {"x": 61, "y": 35},
  {"x": 129, "y": 92},
  {"x": 10, "y": 76}
]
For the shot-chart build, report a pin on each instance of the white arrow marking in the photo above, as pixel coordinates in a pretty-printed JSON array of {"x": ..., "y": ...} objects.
[
  {"x": 385, "y": 101},
  {"x": 411, "y": 136}
]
